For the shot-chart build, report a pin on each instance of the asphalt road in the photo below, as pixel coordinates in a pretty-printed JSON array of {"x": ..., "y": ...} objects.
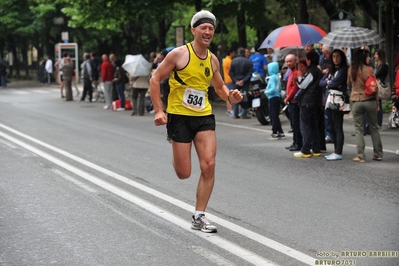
[{"x": 80, "y": 185}]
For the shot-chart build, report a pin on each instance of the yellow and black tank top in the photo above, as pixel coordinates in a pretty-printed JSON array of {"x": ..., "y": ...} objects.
[{"x": 189, "y": 86}]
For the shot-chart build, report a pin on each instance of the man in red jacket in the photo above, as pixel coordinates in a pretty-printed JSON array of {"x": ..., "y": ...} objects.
[
  {"x": 291, "y": 90},
  {"x": 107, "y": 75}
]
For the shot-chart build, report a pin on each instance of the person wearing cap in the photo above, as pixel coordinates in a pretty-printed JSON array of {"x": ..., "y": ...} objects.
[{"x": 189, "y": 118}]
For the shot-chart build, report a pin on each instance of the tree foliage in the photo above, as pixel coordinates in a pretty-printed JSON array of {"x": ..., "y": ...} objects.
[{"x": 142, "y": 26}]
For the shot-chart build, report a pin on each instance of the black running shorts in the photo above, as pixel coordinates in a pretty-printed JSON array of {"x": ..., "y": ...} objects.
[{"x": 182, "y": 128}]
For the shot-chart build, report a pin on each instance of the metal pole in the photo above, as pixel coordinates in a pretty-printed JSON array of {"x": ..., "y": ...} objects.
[{"x": 380, "y": 23}]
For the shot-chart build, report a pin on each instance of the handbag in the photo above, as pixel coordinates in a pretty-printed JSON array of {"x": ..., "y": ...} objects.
[
  {"x": 370, "y": 84},
  {"x": 384, "y": 89},
  {"x": 393, "y": 120},
  {"x": 338, "y": 101}
]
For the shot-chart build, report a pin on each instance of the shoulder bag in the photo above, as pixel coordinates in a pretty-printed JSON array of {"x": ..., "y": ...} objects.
[
  {"x": 338, "y": 101},
  {"x": 384, "y": 89},
  {"x": 370, "y": 84}
]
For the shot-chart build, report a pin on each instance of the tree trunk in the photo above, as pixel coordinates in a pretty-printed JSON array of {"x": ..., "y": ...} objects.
[
  {"x": 128, "y": 36},
  {"x": 389, "y": 49},
  {"x": 242, "y": 33},
  {"x": 198, "y": 5},
  {"x": 303, "y": 12},
  {"x": 329, "y": 7},
  {"x": 161, "y": 35},
  {"x": 15, "y": 63},
  {"x": 24, "y": 51}
]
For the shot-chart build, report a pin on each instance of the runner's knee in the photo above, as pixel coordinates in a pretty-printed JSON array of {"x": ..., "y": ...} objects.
[
  {"x": 208, "y": 168},
  {"x": 182, "y": 173}
]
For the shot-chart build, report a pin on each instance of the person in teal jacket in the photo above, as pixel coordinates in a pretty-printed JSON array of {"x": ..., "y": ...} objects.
[{"x": 273, "y": 90}]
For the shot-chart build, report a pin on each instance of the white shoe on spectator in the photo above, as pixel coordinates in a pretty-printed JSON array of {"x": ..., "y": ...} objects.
[{"x": 120, "y": 109}]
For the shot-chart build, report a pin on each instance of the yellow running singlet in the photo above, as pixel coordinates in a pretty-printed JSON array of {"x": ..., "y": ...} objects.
[{"x": 189, "y": 86}]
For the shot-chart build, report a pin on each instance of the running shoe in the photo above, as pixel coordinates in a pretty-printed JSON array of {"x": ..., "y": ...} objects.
[
  {"x": 201, "y": 223},
  {"x": 334, "y": 157}
]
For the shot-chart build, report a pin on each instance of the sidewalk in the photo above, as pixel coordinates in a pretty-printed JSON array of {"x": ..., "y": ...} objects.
[
  {"x": 218, "y": 104},
  {"x": 219, "y": 107},
  {"x": 30, "y": 83}
]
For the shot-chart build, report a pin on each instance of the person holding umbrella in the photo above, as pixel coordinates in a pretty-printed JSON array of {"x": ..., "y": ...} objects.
[{"x": 363, "y": 105}]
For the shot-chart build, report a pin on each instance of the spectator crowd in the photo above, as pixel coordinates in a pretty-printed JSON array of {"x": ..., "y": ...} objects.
[{"x": 320, "y": 85}]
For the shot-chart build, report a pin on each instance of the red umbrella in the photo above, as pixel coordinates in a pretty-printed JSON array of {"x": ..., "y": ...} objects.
[{"x": 293, "y": 35}]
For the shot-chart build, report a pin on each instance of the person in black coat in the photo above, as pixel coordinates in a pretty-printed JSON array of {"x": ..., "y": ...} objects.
[
  {"x": 241, "y": 72},
  {"x": 381, "y": 72},
  {"x": 310, "y": 103}
]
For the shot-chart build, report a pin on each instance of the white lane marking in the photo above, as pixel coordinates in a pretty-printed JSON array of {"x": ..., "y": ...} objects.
[
  {"x": 16, "y": 149},
  {"x": 212, "y": 256},
  {"x": 235, "y": 228},
  {"x": 41, "y": 91},
  {"x": 73, "y": 180},
  {"x": 370, "y": 148},
  {"x": 21, "y": 92},
  {"x": 8, "y": 144},
  {"x": 287, "y": 134},
  {"x": 247, "y": 128},
  {"x": 250, "y": 128},
  {"x": 213, "y": 238}
]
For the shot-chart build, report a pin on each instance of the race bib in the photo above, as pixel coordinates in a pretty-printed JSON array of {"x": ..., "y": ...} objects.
[{"x": 194, "y": 99}]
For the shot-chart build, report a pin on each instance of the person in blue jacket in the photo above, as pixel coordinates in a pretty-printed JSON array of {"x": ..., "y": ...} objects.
[
  {"x": 273, "y": 90},
  {"x": 259, "y": 61}
]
